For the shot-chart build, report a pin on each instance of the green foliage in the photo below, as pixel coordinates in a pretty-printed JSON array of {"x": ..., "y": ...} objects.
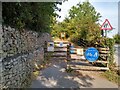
[
  {"x": 105, "y": 42},
  {"x": 117, "y": 38},
  {"x": 74, "y": 38},
  {"x": 69, "y": 69},
  {"x": 82, "y": 22},
  {"x": 108, "y": 43},
  {"x": 85, "y": 18},
  {"x": 56, "y": 30},
  {"x": 36, "y": 16},
  {"x": 112, "y": 76}
]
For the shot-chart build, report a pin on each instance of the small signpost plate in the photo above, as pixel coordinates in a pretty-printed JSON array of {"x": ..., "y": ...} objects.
[
  {"x": 72, "y": 51},
  {"x": 50, "y": 46},
  {"x": 80, "y": 51},
  {"x": 61, "y": 44}
]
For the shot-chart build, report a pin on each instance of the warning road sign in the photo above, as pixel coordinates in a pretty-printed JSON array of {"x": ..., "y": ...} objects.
[{"x": 106, "y": 25}]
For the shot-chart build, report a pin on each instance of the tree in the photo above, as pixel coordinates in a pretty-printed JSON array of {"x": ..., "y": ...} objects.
[
  {"x": 85, "y": 19},
  {"x": 82, "y": 22},
  {"x": 36, "y": 16}
]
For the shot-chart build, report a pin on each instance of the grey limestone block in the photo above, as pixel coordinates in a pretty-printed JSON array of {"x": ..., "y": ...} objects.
[
  {"x": 5, "y": 63},
  {"x": 8, "y": 67},
  {"x": 19, "y": 67},
  {"x": 14, "y": 63}
]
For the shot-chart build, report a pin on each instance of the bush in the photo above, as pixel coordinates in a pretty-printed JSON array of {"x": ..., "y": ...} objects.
[
  {"x": 74, "y": 38},
  {"x": 112, "y": 76},
  {"x": 117, "y": 38}
]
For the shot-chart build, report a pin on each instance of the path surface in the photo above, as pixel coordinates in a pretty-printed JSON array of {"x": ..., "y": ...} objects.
[{"x": 55, "y": 76}]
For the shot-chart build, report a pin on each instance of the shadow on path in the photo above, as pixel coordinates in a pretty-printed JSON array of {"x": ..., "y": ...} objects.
[{"x": 56, "y": 77}]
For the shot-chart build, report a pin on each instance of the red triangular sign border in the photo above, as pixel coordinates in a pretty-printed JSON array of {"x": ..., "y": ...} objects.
[{"x": 106, "y": 20}]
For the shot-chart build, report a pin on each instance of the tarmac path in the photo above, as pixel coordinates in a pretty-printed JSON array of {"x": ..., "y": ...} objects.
[{"x": 55, "y": 76}]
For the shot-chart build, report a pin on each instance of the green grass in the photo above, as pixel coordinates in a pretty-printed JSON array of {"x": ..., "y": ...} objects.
[
  {"x": 112, "y": 76},
  {"x": 69, "y": 69}
]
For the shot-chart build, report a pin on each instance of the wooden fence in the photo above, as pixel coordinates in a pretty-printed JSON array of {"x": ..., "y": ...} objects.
[{"x": 103, "y": 56}]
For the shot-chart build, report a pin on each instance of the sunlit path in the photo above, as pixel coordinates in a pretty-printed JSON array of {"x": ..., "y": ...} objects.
[{"x": 56, "y": 76}]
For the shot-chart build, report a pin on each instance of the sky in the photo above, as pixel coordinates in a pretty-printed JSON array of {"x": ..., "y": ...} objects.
[{"x": 107, "y": 9}]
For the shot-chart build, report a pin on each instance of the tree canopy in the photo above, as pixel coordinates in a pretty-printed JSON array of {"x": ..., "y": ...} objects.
[
  {"x": 37, "y": 16},
  {"x": 82, "y": 22}
]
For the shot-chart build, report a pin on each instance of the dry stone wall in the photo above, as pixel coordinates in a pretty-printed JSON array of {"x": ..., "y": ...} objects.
[{"x": 18, "y": 51}]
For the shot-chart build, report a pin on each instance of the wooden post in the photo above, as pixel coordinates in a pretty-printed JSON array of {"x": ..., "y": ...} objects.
[
  {"x": 104, "y": 52},
  {"x": 68, "y": 51},
  {"x": 108, "y": 54},
  {"x": 68, "y": 55},
  {"x": 45, "y": 49}
]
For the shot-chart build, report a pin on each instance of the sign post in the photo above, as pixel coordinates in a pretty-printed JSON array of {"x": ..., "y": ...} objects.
[
  {"x": 106, "y": 26},
  {"x": 50, "y": 46}
]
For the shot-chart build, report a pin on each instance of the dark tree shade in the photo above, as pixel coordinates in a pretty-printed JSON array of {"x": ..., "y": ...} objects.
[{"x": 36, "y": 16}]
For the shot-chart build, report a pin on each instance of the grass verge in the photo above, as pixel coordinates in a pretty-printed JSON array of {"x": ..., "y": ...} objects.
[{"x": 112, "y": 76}]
